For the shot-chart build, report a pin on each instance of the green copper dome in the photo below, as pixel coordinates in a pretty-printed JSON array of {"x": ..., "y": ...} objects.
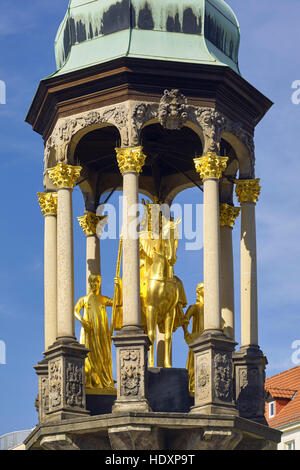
[{"x": 193, "y": 31}]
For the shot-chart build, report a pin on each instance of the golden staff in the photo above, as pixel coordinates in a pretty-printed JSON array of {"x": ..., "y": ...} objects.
[{"x": 114, "y": 306}]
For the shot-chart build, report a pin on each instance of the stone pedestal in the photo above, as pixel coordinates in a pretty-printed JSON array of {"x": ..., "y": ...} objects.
[
  {"x": 66, "y": 380},
  {"x": 213, "y": 374},
  {"x": 43, "y": 397},
  {"x": 249, "y": 371},
  {"x": 132, "y": 346},
  {"x": 153, "y": 431}
]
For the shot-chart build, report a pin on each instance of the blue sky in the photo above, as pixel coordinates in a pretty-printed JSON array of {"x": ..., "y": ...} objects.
[{"x": 270, "y": 60}]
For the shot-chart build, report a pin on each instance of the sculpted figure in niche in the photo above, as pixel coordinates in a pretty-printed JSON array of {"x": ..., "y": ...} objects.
[{"x": 95, "y": 335}]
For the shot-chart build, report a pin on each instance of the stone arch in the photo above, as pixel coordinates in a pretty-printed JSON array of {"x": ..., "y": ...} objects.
[{"x": 244, "y": 149}]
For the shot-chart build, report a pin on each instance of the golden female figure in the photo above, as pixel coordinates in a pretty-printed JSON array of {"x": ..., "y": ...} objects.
[
  {"x": 96, "y": 337},
  {"x": 196, "y": 312}
]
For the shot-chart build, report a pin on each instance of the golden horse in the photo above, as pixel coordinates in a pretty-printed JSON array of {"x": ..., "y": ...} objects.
[{"x": 162, "y": 293}]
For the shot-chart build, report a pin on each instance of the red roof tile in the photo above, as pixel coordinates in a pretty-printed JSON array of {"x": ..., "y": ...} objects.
[
  {"x": 281, "y": 392},
  {"x": 285, "y": 385}
]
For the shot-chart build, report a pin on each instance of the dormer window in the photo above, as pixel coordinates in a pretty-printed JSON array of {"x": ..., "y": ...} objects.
[{"x": 272, "y": 409}]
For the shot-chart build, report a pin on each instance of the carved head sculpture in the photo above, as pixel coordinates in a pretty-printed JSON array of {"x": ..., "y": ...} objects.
[
  {"x": 140, "y": 112},
  {"x": 94, "y": 283},
  {"x": 172, "y": 112}
]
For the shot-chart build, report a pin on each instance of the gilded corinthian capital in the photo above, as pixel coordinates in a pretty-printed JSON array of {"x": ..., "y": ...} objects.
[
  {"x": 228, "y": 215},
  {"x": 48, "y": 203},
  {"x": 210, "y": 166},
  {"x": 90, "y": 221},
  {"x": 247, "y": 190},
  {"x": 64, "y": 176},
  {"x": 130, "y": 159}
]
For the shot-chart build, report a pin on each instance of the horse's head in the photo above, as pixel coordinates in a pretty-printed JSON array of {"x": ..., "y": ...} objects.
[{"x": 170, "y": 237}]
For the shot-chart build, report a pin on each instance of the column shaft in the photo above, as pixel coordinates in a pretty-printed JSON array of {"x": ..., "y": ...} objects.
[
  {"x": 212, "y": 273},
  {"x": 131, "y": 258},
  {"x": 93, "y": 265},
  {"x": 249, "y": 307},
  {"x": 50, "y": 279},
  {"x": 65, "y": 265}
]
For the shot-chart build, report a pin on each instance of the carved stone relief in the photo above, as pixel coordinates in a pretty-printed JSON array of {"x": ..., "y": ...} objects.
[
  {"x": 203, "y": 383},
  {"x": 223, "y": 377},
  {"x": 130, "y": 365},
  {"x": 172, "y": 111},
  {"x": 55, "y": 384},
  {"x": 251, "y": 397},
  {"x": 67, "y": 128},
  {"x": 74, "y": 385}
]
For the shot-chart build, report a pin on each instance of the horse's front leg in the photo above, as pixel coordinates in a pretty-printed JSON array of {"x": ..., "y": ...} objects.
[
  {"x": 169, "y": 323},
  {"x": 151, "y": 326}
]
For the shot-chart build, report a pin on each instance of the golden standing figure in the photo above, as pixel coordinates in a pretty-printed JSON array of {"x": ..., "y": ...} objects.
[
  {"x": 196, "y": 312},
  {"x": 95, "y": 335}
]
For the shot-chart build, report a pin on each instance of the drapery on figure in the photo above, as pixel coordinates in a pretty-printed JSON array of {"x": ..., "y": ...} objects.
[
  {"x": 196, "y": 312},
  {"x": 95, "y": 335}
]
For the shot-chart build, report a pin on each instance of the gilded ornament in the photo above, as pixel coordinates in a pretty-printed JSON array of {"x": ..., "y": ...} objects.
[
  {"x": 228, "y": 215},
  {"x": 64, "y": 176},
  {"x": 210, "y": 166},
  {"x": 48, "y": 203},
  {"x": 89, "y": 222},
  {"x": 248, "y": 190},
  {"x": 130, "y": 159}
]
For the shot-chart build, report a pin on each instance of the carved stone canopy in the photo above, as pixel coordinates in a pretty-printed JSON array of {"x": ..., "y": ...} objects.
[{"x": 171, "y": 133}]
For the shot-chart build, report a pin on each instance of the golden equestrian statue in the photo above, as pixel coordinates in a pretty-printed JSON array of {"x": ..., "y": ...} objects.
[
  {"x": 95, "y": 335},
  {"x": 162, "y": 293}
]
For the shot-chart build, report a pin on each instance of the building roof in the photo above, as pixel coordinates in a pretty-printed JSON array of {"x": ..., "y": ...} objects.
[
  {"x": 285, "y": 385},
  {"x": 193, "y": 31}
]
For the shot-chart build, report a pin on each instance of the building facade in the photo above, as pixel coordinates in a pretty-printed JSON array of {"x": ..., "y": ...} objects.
[{"x": 283, "y": 407}]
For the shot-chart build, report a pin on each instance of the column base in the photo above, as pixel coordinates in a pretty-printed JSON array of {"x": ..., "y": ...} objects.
[
  {"x": 132, "y": 347},
  {"x": 66, "y": 380},
  {"x": 214, "y": 410},
  {"x": 213, "y": 374},
  {"x": 42, "y": 400},
  {"x": 125, "y": 406},
  {"x": 249, "y": 371}
]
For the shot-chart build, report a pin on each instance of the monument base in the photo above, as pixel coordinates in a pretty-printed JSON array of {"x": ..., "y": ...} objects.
[{"x": 153, "y": 431}]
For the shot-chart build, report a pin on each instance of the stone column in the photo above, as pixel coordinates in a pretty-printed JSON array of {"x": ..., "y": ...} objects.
[
  {"x": 228, "y": 214},
  {"x": 131, "y": 343},
  {"x": 249, "y": 361},
  {"x": 66, "y": 357},
  {"x": 212, "y": 350},
  {"x": 89, "y": 223},
  {"x": 48, "y": 204}
]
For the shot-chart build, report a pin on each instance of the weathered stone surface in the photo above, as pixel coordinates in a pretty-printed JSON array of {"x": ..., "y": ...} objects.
[
  {"x": 168, "y": 390},
  {"x": 42, "y": 401},
  {"x": 157, "y": 431},
  {"x": 132, "y": 347},
  {"x": 136, "y": 437},
  {"x": 213, "y": 375},
  {"x": 249, "y": 372},
  {"x": 66, "y": 380}
]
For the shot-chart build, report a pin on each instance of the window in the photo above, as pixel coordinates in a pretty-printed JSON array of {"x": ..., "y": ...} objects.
[
  {"x": 290, "y": 445},
  {"x": 272, "y": 409}
]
